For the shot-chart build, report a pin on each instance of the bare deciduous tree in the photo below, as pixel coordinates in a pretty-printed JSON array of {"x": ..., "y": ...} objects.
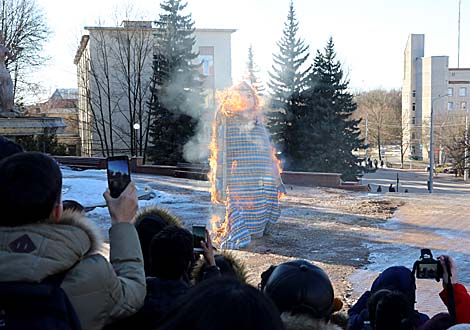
[{"x": 25, "y": 30}]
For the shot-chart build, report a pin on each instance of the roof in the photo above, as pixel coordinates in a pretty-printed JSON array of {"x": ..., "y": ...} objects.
[{"x": 65, "y": 94}]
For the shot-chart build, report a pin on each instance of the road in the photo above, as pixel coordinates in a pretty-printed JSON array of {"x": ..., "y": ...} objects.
[{"x": 415, "y": 181}]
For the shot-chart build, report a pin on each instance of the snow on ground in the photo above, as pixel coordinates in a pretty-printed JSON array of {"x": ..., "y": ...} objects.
[{"x": 87, "y": 187}]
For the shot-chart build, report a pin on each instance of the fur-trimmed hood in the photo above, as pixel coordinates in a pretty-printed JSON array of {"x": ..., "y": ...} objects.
[
  {"x": 237, "y": 266},
  {"x": 38, "y": 250},
  {"x": 304, "y": 322},
  {"x": 163, "y": 213}
]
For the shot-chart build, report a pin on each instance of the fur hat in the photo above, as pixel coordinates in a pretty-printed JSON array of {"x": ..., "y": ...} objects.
[{"x": 228, "y": 264}]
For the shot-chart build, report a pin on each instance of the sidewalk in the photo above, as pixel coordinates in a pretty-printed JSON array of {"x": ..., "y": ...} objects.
[{"x": 439, "y": 222}]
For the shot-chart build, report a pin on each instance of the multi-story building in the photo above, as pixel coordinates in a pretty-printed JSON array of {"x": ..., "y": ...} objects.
[
  {"x": 62, "y": 104},
  {"x": 428, "y": 84},
  {"x": 114, "y": 67}
]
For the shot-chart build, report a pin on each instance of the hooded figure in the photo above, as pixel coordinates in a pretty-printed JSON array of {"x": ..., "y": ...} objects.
[
  {"x": 396, "y": 278},
  {"x": 149, "y": 222}
]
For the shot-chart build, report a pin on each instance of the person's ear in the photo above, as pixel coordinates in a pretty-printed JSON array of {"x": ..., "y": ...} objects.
[{"x": 56, "y": 213}]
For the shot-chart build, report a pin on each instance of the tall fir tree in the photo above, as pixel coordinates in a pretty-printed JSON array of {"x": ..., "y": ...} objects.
[
  {"x": 327, "y": 133},
  {"x": 252, "y": 72},
  {"x": 287, "y": 81},
  {"x": 176, "y": 100}
]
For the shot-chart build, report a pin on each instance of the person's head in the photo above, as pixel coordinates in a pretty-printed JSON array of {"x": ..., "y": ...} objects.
[
  {"x": 390, "y": 310},
  {"x": 229, "y": 266},
  {"x": 30, "y": 189},
  {"x": 224, "y": 303},
  {"x": 171, "y": 253},
  {"x": 397, "y": 278},
  {"x": 299, "y": 287},
  {"x": 149, "y": 222},
  {"x": 73, "y": 206},
  {"x": 8, "y": 148}
]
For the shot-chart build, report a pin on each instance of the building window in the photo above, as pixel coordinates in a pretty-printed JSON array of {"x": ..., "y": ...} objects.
[
  {"x": 450, "y": 105},
  {"x": 463, "y": 105},
  {"x": 414, "y": 106},
  {"x": 206, "y": 58},
  {"x": 413, "y": 135},
  {"x": 414, "y": 93},
  {"x": 413, "y": 120},
  {"x": 463, "y": 91},
  {"x": 450, "y": 91}
]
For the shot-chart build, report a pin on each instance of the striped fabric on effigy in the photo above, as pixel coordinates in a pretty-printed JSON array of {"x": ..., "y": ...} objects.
[{"x": 247, "y": 180}]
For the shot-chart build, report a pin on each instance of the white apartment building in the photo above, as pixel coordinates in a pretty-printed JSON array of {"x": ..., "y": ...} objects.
[
  {"x": 114, "y": 67},
  {"x": 429, "y": 83}
]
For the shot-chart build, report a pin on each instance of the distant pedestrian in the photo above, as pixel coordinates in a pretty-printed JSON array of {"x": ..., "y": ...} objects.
[
  {"x": 376, "y": 163},
  {"x": 379, "y": 188},
  {"x": 370, "y": 163},
  {"x": 382, "y": 163},
  {"x": 391, "y": 188},
  {"x": 369, "y": 188}
]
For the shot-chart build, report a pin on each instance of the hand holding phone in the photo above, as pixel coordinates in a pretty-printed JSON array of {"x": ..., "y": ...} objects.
[
  {"x": 119, "y": 174},
  {"x": 199, "y": 235}
]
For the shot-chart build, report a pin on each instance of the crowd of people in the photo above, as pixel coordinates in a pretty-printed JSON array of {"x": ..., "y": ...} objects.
[{"x": 53, "y": 274}]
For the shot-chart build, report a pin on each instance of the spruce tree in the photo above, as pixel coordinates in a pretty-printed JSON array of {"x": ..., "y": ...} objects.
[
  {"x": 328, "y": 133},
  {"x": 252, "y": 72},
  {"x": 287, "y": 80},
  {"x": 176, "y": 99}
]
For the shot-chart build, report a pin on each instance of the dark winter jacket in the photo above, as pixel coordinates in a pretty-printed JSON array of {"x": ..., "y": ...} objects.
[
  {"x": 397, "y": 278},
  {"x": 161, "y": 296},
  {"x": 462, "y": 303}
]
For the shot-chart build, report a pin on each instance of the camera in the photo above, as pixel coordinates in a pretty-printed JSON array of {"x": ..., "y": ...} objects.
[{"x": 427, "y": 267}]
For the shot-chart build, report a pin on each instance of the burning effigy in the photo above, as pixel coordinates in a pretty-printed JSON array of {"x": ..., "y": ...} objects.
[{"x": 246, "y": 185}]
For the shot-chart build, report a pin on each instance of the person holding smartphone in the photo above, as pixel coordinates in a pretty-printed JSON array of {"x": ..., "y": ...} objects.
[{"x": 39, "y": 240}]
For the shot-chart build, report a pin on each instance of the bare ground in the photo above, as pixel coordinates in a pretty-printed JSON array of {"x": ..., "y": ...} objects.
[{"x": 328, "y": 227}]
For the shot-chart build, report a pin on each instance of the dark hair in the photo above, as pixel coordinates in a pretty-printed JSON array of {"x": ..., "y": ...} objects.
[
  {"x": 30, "y": 187},
  {"x": 147, "y": 227},
  {"x": 299, "y": 287},
  {"x": 390, "y": 310},
  {"x": 73, "y": 206},
  {"x": 8, "y": 148},
  {"x": 224, "y": 303},
  {"x": 171, "y": 252}
]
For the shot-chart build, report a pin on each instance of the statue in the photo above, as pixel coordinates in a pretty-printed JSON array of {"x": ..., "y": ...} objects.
[{"x": 6, "y": 84}]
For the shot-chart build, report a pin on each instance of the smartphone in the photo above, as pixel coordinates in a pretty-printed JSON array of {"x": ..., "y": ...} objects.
[
  {"x": 119, "y": 174},
  {"x": 199, "y": 234}
]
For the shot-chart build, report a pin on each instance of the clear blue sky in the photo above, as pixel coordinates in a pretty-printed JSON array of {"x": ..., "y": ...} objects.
[{"x": 370, "y": 35}]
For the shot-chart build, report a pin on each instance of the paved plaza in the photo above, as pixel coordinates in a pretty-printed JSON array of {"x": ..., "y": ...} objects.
[{"x": 439, "y": 221}]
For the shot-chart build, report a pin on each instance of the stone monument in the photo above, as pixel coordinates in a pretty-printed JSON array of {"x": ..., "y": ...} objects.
[{"x": 12, "y": 124}]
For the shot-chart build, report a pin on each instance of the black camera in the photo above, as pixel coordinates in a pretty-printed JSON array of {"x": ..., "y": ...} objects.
[{"x": 427, "y": 267}]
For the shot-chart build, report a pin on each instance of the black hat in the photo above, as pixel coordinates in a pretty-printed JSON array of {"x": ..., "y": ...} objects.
[
  {"x": 299, "y": 287},
  {"x": 8, "y": 148}
]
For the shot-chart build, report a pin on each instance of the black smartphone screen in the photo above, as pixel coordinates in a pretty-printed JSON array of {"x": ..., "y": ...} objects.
[
  {"x": 199, "y": 234},
  {"x": 119, "y": 174}
]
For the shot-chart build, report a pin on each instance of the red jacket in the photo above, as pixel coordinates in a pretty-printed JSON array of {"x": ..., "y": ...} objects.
[{"x": 462, "y": 303}]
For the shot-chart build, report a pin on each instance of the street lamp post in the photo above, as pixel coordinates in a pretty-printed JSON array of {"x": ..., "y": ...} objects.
[
  {"x": 431, "y": 146},
  {"x": 136, "y": 131},
  {"x": 465, "y": 170}
]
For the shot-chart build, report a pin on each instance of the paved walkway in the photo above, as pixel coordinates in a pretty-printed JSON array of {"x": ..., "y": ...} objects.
[{"x": 440, "y": 222}]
